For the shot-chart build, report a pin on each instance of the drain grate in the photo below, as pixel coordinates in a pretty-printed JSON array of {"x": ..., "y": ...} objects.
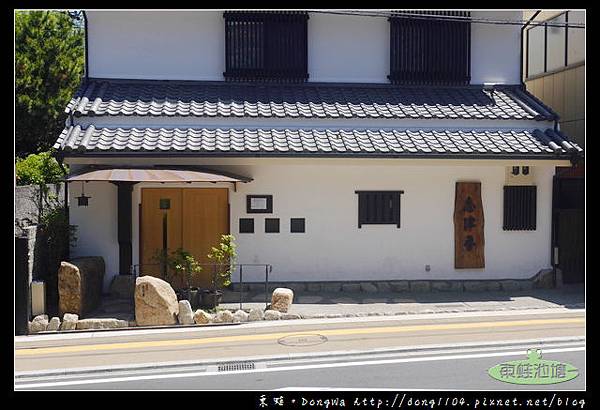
[{"x": 233, "y": 366}]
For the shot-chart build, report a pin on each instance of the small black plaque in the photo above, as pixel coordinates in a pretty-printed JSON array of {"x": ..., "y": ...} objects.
[
  {"x": 271, "y": 225},
  {"x": 297, "y": 225},
  {"x": 246, "y": 225}
]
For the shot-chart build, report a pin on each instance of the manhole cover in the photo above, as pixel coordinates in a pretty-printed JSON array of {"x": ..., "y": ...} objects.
[{"x": 302, "y": 340}]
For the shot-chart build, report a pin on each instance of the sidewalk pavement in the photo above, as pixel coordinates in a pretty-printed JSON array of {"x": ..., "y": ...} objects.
[{"x": 345, "y": 304}]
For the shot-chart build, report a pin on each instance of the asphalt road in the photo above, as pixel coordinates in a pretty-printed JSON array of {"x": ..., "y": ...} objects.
[{"x": 451, "y": 352}]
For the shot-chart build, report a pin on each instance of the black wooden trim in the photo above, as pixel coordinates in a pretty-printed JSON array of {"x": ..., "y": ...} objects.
[
  {"x": 379, "y": 207},
  {"x": 124, "y": 225},
  {"x": 520, "y": 206},
  {"x": 269, "y": 209}
]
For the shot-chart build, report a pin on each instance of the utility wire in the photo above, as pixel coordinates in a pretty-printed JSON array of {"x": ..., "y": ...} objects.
[{"x": 423, "y": 16}]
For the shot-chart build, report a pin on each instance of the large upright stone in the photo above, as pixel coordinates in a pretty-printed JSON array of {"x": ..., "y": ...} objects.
[
  {"x": 155, "y": 302},
  {"x": 80, "y": 285},
  {"x": 282, "y": 299},
  {"x": 185, "y": 316}
]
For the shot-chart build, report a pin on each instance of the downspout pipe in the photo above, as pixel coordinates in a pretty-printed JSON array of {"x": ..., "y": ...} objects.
[
  {"x": 85, "y": 48},
  {"x": 522, "y": 46}
]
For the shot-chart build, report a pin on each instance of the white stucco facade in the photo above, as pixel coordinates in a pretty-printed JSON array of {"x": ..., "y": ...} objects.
[
  {"x": 333, "y": 247},
  {"x": 190, "y": 45}
]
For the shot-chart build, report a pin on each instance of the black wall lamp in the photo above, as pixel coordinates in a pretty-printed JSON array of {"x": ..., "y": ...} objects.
[{"x": 82, "y": 200}]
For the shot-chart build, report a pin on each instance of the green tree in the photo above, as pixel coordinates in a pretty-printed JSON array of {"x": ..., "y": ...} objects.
[
  {"x": 38, "y": 169},
  {"x": 49, "y": 63}
]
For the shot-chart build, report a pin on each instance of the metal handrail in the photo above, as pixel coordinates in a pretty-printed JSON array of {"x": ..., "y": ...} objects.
[{"x": 135, "y": 270}]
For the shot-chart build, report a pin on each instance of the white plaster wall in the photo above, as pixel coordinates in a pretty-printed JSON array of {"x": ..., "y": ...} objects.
[
  {"x": 190, "y": 45},
  {"x": 183, "y": 45},
  {"x": 96, "y": 224},
  {"x": 333, "y": 247},
  {"x": 495, "y": 48},
  {"x": 348, "y": 49}
]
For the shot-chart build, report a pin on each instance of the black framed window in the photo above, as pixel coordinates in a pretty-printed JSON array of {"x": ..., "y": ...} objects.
[
  {"x": 520, "y": 203},
  {"x": 297, "y": 225},
  {"x": 246, "y": 225},
  {"x": 430, "y": 47},
  {"x": 271, "y": 225},
  {"x": 266, "y": 45},
  {"x": 379, "y": 207}
]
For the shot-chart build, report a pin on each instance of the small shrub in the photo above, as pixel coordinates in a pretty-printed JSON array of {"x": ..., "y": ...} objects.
[{"x": 224, "y": 256}]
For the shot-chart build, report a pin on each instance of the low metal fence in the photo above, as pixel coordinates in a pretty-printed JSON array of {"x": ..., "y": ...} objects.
[{"x": 138, "y": 270}]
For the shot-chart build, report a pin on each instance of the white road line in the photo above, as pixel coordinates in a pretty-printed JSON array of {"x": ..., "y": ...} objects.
[{"x": 287, "y": 368}]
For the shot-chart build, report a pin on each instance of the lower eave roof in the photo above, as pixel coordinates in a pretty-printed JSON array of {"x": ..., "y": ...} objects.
[{"x": 536, "y": 143}]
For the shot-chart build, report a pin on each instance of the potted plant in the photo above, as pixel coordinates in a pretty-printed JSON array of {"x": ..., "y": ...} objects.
[
  {"x": 223, "y": 256},
  {"x": 185, "y": 268}
]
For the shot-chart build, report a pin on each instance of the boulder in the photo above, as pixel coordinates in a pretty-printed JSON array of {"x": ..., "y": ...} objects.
[
  {"x": 122, "y": 287},
  {"x": 101, "y": 323},
  {"x": 240, "y": 316},
  {"x": 80, "y": 284},
  {"x": 38, "y": 324},
  {"x": 54, "y": 324},
  {"x": 155, "y": 302},
  {"x": 256, "y": 315},
  {"x": 290, "y": 316},
  {"x": 69, "y": 321},
  {"x": 202, "y": 318},
  {"x": 185, "y": 315},
  {"x": 272, "y": 315},
  {"x": 282, "y": 299},
  {"x": 223, "y": 316}
]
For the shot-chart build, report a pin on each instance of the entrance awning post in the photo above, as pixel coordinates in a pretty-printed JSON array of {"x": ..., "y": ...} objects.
[{"x": 124, "y": 225}]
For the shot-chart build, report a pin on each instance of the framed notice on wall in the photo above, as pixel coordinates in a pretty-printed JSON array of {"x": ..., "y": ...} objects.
[
  {"x": 469, "y": 242},
  {"x": 259, "y": 204}
]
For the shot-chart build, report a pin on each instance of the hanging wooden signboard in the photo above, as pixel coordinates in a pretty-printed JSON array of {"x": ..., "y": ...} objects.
[{"x": 468, "y": 226}]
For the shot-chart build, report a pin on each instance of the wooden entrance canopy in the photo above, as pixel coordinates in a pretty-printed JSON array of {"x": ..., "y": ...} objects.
[{"x": 154, "y": 174}]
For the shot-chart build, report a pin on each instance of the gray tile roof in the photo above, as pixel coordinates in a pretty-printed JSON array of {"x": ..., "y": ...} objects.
[
  {"x": 98, "y": 97},
  {"x": 476, "y": 143}
]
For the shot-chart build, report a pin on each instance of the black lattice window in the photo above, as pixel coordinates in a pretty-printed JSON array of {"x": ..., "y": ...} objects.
[
  {"x": 520, "y": 208},
  {"x": 425, "y": 48},
  {"x": 379, "y": 207},
  {"x": 266, "y": 46}
]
